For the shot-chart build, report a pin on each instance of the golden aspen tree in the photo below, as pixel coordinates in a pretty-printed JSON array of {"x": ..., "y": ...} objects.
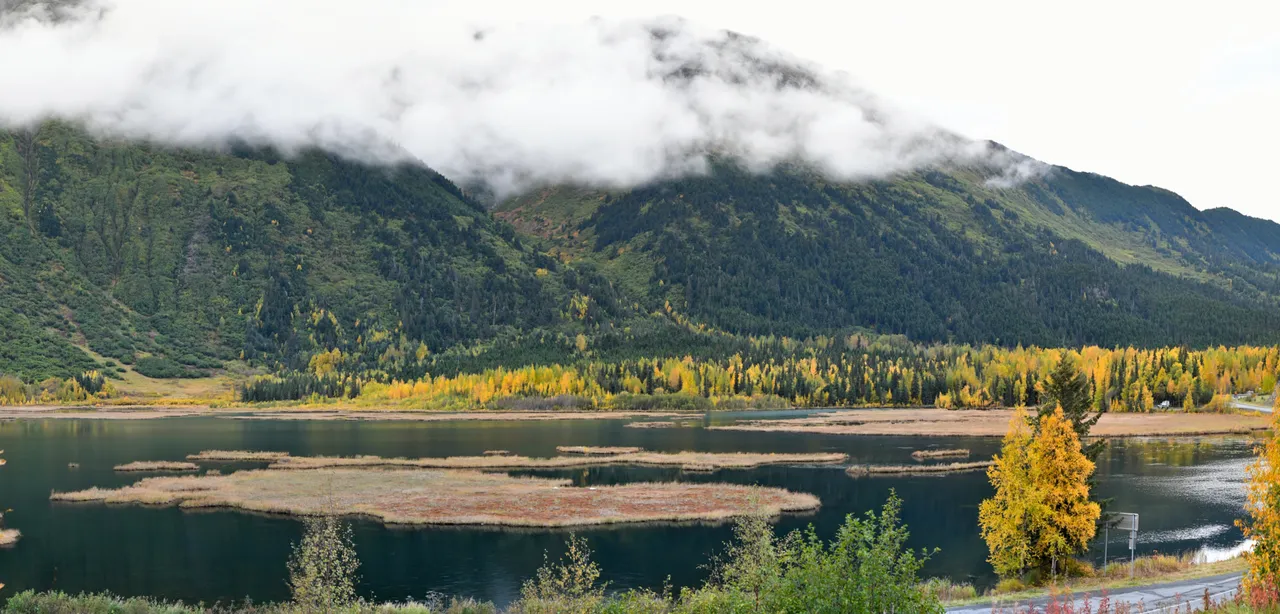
[
  {"x": 1263, "y": 525},
  {"x": 1006, "y": 518},
  {"x": 1067, "y": 519}
]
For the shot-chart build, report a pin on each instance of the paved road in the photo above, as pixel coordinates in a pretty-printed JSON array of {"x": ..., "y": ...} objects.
[
  {"x": 1153, "y": 599},
  {"x": 1251, "y": 406}
]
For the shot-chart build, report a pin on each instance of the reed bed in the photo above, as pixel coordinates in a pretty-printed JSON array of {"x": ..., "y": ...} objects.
[
  {"x": 931, "y": 454},
  {"x": 714, "y": 460},
  {"x": 861, "y": 470},
  {"x": 236, "y": 456},
  {"x": 598, "y": 450},
  {"x": 158, "y": 466},
  {"x": 659, "y": 424},
  {"x": 451, "y": 497},
  {"x": 497, "y": 453}
]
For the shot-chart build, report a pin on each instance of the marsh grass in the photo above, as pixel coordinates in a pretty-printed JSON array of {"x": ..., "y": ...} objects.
[
  {"x": 450, "y": 497},
  {"x": 158, "y": 466},
  {"x": 930, "y": 454},
  {"x": 236, "y": 456},
  {"x": 598, "y": 450},
  {"x": 862, "y": 470},
  {"x": 713, "y": 460}
]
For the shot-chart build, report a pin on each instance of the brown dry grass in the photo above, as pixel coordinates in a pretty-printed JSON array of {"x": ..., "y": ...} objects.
[
  {"x": 861, "y": 470},
  {"x": 994, "y": 423},
  {"x": 158, "y": 466},
  {"x": 9, "y": 537},
  {"x": 928, "y": 454},
  {"x": 497, "y": 453},
  {"x": 598, "y": 450},
  {"x": 711, "y": 460},
  {"x": 233, "y": 456},
  {"x": 451, "y": 497}
]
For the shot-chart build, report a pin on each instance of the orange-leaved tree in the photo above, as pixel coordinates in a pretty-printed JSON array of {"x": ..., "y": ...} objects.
[
  {"x": 1263, "y": 526},
  {"x": 1060, "y": 474},
  {"x": 1006, "y": 517}
]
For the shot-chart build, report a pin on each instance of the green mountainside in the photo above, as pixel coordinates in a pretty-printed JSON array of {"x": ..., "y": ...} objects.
[
  {"x": 1067, "y": 259},
  {"x": 178, "y": 262}
]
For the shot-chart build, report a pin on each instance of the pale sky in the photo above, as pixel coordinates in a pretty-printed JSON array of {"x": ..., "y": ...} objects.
[{"x": 1182, "y": 95}]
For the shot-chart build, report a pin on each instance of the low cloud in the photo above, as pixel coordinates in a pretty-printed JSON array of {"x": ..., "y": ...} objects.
[{"x": 503, "y": 106}]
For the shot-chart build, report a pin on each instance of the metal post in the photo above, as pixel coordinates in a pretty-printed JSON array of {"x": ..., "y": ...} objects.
[
  {"x": 1133, "y": 551},
  {"x": 1105, "y": 542}
]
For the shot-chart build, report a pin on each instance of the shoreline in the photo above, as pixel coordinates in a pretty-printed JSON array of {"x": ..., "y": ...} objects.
[{"x": 877, "y": 422}]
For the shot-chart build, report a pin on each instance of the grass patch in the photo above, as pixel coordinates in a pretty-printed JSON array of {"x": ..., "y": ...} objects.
[
  {"x": 712, "y": 460},
  {"x": 861, "y": 470},
  {"x": 930, "y": 454},
  {"x": 236, "y": 456},
  {"x": 158, "y": 466},
  {"x": 450, "y": 497}
]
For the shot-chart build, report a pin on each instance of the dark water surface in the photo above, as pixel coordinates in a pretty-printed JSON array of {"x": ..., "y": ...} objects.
[{"x": 1188, "y": 491}]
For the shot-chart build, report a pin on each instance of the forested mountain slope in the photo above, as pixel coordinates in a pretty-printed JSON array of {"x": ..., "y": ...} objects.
[
  {"x": 183, "y": 259},
  {"x": 177, "y": 261},
  {"x": 1065, "y": 259}
]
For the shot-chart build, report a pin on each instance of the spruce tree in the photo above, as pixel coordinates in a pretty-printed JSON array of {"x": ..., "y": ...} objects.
[{"x": 1067, "y": 387}]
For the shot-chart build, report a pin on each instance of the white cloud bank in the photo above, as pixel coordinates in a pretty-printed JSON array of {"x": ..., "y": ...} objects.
[{"x": 507, "y": 106}]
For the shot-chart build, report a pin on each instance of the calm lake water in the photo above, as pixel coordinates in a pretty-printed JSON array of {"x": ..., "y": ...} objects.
[{"x": 1188, "y": 492}]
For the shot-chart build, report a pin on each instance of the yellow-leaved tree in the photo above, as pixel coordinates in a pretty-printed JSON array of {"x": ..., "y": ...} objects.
[
  {"x": 1006, "y": 517},
  {"x": 1041, "y": 512},
  {"x": 1065, "y": 518},
  {"x": 1262, "y": 582}
]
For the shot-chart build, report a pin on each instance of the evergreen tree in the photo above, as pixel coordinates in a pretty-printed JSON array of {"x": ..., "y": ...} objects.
[{"x": 1067, "y": 389}]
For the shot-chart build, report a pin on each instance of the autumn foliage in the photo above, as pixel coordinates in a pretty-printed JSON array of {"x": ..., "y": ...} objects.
[
  {"x": 1041, "y": 513},
  {"x": 1263, "y": 525}
]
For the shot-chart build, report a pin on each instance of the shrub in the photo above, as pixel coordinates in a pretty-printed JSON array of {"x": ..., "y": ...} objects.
[
  {"x": 323, "y": 567},
  {"x": 569, "y": 586},
  {"x": 163, "y": 368}
]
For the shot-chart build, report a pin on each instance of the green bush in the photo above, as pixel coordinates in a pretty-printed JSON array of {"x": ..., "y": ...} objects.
[{"x": 163, "y": 368}]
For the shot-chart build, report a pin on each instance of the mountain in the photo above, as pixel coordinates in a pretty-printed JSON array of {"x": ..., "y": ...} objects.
[
  {"x": 175, "y": 262},
  {"x": 939, "y": 255},
  {"x": 179, "y": 260}
]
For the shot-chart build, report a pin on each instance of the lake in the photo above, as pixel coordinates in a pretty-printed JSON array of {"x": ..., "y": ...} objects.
[{"x": 1188, "y": 491}]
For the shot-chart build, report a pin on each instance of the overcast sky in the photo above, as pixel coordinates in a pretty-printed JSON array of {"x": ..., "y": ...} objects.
[
  {"x": 1183, "y": 95},
  {"x": 1148, "y": 92}
]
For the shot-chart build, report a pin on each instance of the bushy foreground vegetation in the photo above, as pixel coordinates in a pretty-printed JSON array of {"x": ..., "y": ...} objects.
[{"x": 865, "y": 569}]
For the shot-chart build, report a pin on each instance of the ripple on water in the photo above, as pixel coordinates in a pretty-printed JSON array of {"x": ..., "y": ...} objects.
[{"x": 1220, "y": 481}]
